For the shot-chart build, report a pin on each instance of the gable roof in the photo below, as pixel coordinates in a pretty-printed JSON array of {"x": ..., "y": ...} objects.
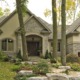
[
  {"x": 73, "y": 26},
  {"x": 4, "y": 20}
]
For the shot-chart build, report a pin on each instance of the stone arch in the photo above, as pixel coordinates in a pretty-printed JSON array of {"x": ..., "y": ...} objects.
[{"x": 34, "y": 44}]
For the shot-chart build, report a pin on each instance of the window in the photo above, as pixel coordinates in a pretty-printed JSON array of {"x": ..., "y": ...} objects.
[
  {"x": 7, "y": 45},
  {"x": 58, "y": 46}
]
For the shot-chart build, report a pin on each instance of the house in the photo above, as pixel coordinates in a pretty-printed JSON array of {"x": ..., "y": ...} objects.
[{"x": 38, "y": 35}]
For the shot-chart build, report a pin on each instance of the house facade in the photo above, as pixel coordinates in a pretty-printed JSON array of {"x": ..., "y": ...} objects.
[{"x": 38, "y": 35}]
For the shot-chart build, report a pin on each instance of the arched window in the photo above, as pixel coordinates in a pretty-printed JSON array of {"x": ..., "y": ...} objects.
[{"x": 7, "y": 45}]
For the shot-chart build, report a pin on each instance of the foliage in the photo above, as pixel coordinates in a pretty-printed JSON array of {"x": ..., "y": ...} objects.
[
  {"x": 16, "y": 68},
  {"x": 22, "y": 67},
  {"x": 56, "y": 65},
  {"x": 72, "y": 10},
  {"x": 18, "y": 61},
  {"x": 3, "y": 56},
  {"x": 74, "y": 66},
  {"x": 1, "y": 11},
  {"x": 48, "y": 55},
  {"x": 19, "y": 77},
  {"x": 73, "y": 58},
  {"x": 41, "y": 68},
  {"x": 26, "y": 67}
]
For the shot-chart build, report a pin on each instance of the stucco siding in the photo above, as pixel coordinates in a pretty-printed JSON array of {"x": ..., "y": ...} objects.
[{"x": 9, "y": 29}]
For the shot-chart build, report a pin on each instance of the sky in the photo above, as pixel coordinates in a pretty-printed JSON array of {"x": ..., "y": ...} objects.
[{"x": 35, "y": 6}]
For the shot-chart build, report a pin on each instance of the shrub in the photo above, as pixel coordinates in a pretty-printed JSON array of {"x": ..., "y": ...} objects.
[
  {"x": 26, "y": 67},
  {"x": 73, "y": 58},
  {"x": 41, "y": 68},
  {"x": 48, "y": 55},
  {"x": 18, "y": 61},
  {"x": 4, "y": 57},
  {"x": 75, "y": 66},
  {"x": 56, "y": 65},
  {"x": 16, "y": 68},
  {"x": 19, "y": 77}
]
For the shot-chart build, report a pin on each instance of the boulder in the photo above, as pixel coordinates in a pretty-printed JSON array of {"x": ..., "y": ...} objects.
[
  {"x": 65, "y": 67},
  {"x": 74, "y": 78},
  {"x": 38, "y": 78},
  {"x": 53, "y": 76},
  {"x": 25, "y": 72}
]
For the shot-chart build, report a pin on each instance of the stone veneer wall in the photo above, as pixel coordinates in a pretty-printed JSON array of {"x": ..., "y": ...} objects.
[{"x": 73, "y": 48}]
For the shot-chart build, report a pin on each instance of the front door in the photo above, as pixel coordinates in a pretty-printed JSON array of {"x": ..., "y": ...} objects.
[{"x": 33, "y": 48}]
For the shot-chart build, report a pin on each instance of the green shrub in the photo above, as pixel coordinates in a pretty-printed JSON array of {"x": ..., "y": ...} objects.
[
  {"x": 3, "y": 57},
  {"x": 26, "y": 67},
  {"x": 56, "y": 65},
  {"x": 75, "y": 66},
  {"x": 18, "y": 61},
  {"x": 19, "y": 77},
  {"x": 41, "y": 68},
  {"x": 16, "y": 68},
  {"x": 73, "y": 58},
  {"x": 48, "y": 55}
]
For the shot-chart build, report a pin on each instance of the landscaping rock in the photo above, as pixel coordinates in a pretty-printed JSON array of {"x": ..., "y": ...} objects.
[
  {"x": 25, "y": 72},
  {"x": 29, "y": 62},
  {"x": 74, "y": 78},
  {"x": 34, "y": 63},
  {"x": 38, "y": 78},
  {"x": 53, "y": 76},
  {"x": 23, "y": 63},
  {"x": 64, "y": 67}
]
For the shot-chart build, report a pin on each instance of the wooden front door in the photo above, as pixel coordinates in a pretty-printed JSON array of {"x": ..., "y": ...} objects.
[{"x": 33, "y": 48}]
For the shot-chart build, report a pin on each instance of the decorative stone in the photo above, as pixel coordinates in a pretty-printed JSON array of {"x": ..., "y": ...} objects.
[
  {"x": 53, "y": 76},
  {"x": 30, "y": 62},
  {"x": 25, "y": 72},
  {"x": 34, "y": 63},
  {"x": 23, "y": 63},
  {"x": 64, "y": 67},
  {"x": 74, "y": 78},
  {"x": 38, "y": 78}
]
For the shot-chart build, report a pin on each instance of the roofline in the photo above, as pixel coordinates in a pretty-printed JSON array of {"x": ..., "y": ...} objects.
[
  {"x": 8, "y": 17},
  {"x": 43, "y": 24}
]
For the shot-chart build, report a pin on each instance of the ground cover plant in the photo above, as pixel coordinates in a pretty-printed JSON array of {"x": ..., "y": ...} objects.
[{"x": 5, "y": 71}]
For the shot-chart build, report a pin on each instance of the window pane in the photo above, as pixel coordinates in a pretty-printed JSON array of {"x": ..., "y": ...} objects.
[
  {"x": 10, "y": 45},
  {"x": 58, "y": 46},
  {"x": 4, "y": 45}
]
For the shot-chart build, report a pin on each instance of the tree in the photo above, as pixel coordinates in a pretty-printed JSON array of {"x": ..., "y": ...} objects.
[
  {"x": 63, "y": 33},
  {"x": 54, "y": 17},
  {"x": 19, "y": 4},
  {"x": 1, "y": 12},
  {"x": 72, "y": 11},
  {"x": 4, "y": 11}
]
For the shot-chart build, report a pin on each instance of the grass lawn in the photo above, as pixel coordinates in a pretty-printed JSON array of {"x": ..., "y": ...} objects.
[{"x": 5, "y": 71}]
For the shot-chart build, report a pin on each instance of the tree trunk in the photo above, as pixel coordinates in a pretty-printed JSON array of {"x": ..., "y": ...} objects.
[
  {"x": 20, "y": 17},
  {"x": 63, "y": 35},
  {"x": 54, "y": 17}
]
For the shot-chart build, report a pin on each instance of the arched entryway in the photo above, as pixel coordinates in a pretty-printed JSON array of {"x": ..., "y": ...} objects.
[{"x": 34, "y": 45}]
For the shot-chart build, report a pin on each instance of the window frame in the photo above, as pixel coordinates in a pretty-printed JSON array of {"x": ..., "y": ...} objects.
[{"x": 7, "y": 45}]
